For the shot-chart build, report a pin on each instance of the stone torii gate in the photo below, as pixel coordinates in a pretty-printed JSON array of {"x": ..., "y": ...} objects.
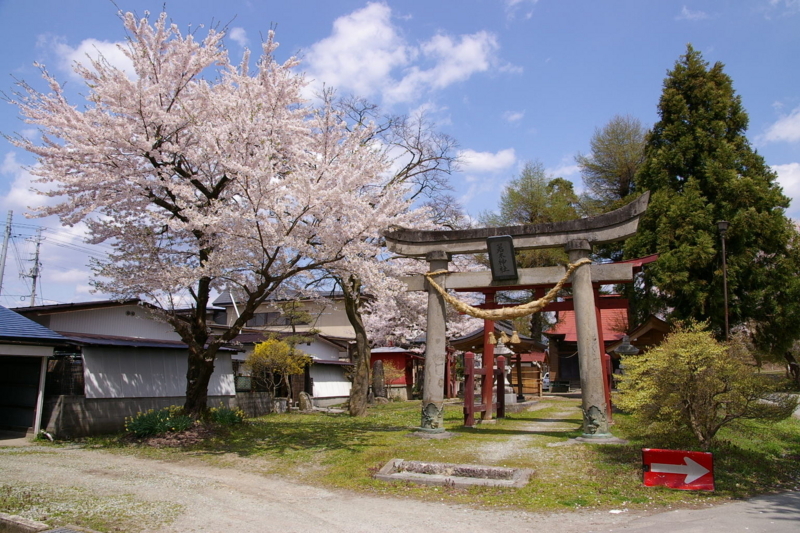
[{"x": 577, "y": 237}]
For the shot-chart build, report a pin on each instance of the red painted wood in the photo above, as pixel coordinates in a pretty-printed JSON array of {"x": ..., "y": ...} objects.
[
  {"x": 501, "y": 387},
  {"x": 469, "y": 389}
]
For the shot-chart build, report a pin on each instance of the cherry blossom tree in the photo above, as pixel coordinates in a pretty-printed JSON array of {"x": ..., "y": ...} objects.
[
  {"x": 205, "y": 175},
  {"x": 401, "y": 316},
  {"x": 420, "y": 160}
]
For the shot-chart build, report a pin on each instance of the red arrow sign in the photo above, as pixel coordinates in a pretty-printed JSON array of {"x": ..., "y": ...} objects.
[{"x": 678, "y": 469}]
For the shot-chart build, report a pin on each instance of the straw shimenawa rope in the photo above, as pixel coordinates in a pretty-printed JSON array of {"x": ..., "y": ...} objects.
[{"x": 505, "y": 312}]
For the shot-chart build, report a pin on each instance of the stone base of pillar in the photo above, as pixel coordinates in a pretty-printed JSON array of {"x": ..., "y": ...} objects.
[
  {"x": 600, "y": 439},
  {"x": 423, "y": 433},
  {"x": 432, "y": 418}
]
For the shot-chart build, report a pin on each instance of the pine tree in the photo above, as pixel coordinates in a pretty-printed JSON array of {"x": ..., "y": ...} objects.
[{"x": 700, "y": 168}]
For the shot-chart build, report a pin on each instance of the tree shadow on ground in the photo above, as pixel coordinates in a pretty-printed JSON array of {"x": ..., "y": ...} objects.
[{"x": 279, "y": 437}]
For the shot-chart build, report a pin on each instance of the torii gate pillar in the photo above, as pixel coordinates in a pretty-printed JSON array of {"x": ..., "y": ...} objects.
[
  {"x": 595, "y": 409},
  {"x": 435, "y": 350}
]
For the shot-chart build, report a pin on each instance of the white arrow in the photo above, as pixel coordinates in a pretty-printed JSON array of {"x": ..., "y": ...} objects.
[{"x": 692, "y": 470}]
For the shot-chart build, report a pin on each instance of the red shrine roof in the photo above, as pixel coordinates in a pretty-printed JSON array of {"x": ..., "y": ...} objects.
[
  {"x": 615, "y": 324},
  {"x": 534, "y": 357}
]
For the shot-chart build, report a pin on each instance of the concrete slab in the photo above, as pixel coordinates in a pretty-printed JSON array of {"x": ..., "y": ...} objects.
[
  {"x": 14, "y": 438},
  {"x": 456, "y": 475}
]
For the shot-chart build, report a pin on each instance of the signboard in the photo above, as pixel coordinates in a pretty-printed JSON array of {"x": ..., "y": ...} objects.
[
  {"x": 678, "y": 469},
  {"x": 501, "y": 258}
]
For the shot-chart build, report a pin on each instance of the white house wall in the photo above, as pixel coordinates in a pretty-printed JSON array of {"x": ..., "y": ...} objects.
[
  {"x": 147, "y": 373},
  {"x": 329, "y": 381},
  {"x": 124, "y": 321},
  {"x": 320, "y": 350}
]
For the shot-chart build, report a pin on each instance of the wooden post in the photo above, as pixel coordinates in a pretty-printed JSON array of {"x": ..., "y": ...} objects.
[
  {"x": 520, "y": 394},
  {"x": 603, "y": 356},
  {"x": 501, "y": 387},
  {"x": 469, "y": 389}
]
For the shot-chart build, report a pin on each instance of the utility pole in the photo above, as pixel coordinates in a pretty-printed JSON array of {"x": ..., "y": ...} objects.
[
  {"x": 3, "y": 254},
  {"x": 35, "y": 269}
]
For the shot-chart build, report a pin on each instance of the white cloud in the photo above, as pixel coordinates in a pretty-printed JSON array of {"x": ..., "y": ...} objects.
[
  {"x": 239, "y": 36},
  {"x": 513, "y": 116},
  {"x": 19, "y": 198},
  {"x": 72, "y": 276},
  {"x": 688, "y": 14},
  {"x": 787, "y": 128},
  {"x": 513, "y": 6},
  {"x": 789, "y": 179},
  {"x": 454, "y": 61},
  {"x": 361, "y": 52},
  {"x": 94, "y": 49},
  {"x": 486, "y": 162},
  {"x": 367, "y": 54},
  {"x": 783, "y": 8},
  {"x": 565, "y": 171}
]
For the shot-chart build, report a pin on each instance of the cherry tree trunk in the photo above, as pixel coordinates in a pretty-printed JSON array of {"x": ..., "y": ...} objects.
[
  {"x": 361, "y": 357},
  {"x": 198, "y": 375}
]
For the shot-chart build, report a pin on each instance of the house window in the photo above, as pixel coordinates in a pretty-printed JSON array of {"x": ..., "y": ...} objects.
[{"x": 220, "y": 316}]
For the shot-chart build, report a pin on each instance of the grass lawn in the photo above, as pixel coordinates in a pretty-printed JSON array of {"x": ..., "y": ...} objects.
[{"x": 337, "y": 451}]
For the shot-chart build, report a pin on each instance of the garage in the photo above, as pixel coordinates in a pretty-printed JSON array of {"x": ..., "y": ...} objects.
[
  {"x": 24, "y": 349},
  {"x": 19, "y": 389}
]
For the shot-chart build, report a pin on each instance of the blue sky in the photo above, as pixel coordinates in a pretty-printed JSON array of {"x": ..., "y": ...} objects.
[{"x": 511, "y": 80}]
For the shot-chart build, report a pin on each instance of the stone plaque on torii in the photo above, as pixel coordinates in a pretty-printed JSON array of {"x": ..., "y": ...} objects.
[{"x": 577, "y": 237}]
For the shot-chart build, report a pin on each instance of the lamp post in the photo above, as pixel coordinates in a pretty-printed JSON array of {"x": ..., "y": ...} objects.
[{"x": 722, "y": 225}]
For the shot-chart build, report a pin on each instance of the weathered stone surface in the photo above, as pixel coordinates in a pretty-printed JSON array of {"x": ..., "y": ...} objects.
[
  {"x": 13, "y": 523},
  {"x": 457, "y": 475},
  {"x": 378, "y": 384},
  {"x": 435, "y": 355},
  {"x": 610, "y": 227},
  {"x": 280, "y": 405},
  {"x": 605, "y": 274},
  {"x": 306, "y": 402},
  {"x": 595, "y": 418}
]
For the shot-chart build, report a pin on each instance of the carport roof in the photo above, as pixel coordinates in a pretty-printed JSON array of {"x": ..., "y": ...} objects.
[
  {"x": 15, "y": 327},
  {"x": 133, "y": 342}
]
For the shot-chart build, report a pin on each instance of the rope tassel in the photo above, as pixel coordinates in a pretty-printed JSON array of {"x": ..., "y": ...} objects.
[{"x": 506, "y": 312}]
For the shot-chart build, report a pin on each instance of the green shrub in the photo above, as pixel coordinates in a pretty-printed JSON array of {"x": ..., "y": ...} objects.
[
  {"x": 152, "y": 422},
  {"x": 225, "y": 416},
  {"x": 692, "y": 384}
]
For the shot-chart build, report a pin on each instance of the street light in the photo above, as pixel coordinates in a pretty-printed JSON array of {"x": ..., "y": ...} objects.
[{"x": 722, "y": 225}]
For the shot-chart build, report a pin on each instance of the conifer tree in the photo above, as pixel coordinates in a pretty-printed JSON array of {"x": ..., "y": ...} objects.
[{"x": 700, "y": 169}]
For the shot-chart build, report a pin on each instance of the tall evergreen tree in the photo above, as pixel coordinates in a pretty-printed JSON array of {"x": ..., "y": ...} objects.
[{"x": 700, "y": 169}]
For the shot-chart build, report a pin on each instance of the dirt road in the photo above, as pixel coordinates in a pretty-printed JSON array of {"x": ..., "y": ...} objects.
[{"x": 194, "y": 497}]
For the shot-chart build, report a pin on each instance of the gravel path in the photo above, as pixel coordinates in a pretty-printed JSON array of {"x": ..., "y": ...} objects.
[
  {"x": 195, "y": 497},
  {"x": 210, "y": 499}
]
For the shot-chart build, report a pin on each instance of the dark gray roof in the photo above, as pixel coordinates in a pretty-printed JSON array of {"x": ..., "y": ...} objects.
[
  {"x": 224, "y": 299},
  {"x": 134, "y": 342},
  {"x": 16, "y": 327},
  {"x": 57, "y": 308}
]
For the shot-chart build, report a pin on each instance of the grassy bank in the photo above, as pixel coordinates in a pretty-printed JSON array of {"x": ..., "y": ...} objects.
[
  {"x": 337, "y": 451},
  {"x": 343, "y": 452}
]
